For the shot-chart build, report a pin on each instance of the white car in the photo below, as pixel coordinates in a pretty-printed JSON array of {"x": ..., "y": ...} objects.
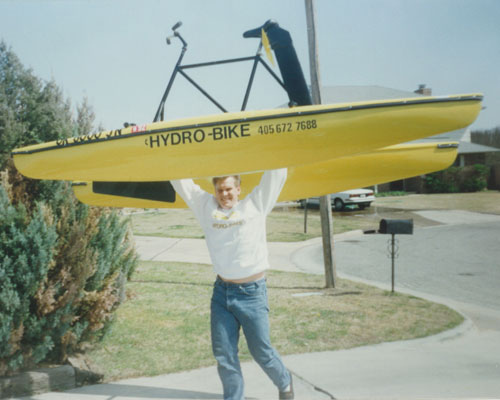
[{"x": 359, "y": 197}]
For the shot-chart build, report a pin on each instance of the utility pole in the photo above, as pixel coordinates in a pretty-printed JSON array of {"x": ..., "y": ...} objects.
[{"x": 325, "y": 207}]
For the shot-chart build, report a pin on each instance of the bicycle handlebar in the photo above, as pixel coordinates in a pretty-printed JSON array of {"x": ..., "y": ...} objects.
[{"x": 176, "y": 34}]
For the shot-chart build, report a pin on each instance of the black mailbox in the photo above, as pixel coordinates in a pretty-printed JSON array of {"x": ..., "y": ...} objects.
[{"x": 396, "y": 226}]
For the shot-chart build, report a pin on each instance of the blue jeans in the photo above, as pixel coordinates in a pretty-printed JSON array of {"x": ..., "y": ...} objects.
[{"x": 243, "y": 305}]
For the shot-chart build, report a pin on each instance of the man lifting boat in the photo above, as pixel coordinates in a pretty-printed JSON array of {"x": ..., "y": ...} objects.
[{"x": 235, "y": 232}]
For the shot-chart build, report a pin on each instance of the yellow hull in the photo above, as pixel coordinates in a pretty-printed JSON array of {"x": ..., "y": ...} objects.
[
  {"x": 383, "y": 165},
  {"x": 246, "y": 141}
]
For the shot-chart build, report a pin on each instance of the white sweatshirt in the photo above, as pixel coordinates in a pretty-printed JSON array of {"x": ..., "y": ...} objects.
[{"x": 236, "y": 238}]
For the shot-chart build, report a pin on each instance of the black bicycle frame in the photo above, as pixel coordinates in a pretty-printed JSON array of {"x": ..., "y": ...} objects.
[{"x": 160, "y": 113}]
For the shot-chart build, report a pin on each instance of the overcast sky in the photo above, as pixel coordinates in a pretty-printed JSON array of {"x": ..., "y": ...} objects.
[{"x": 114, "y": 53}]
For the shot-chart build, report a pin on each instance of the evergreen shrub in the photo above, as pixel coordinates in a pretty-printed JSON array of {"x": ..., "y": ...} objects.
[
  {"x": 472, "y": 178},
  {"x": 63, "y": 265}
]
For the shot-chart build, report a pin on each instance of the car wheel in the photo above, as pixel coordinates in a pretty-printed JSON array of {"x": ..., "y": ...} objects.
[{"x": 338, "y": 204}]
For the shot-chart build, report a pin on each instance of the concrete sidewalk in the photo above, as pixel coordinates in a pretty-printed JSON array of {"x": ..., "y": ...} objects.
[
  {"x": 461, "y": 363},
  {"x": 281, "y": 254},
  {"x": 197, "y": 384}
]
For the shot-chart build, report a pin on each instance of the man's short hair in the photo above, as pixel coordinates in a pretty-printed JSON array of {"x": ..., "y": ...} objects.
[{"x": 237, "y": 179}]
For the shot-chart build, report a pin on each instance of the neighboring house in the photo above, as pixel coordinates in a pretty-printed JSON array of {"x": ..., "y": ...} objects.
[{"x": 468, "y": 153}]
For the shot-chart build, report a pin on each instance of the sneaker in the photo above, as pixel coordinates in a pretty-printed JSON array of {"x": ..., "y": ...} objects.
[{"x": 288, "y": 395}]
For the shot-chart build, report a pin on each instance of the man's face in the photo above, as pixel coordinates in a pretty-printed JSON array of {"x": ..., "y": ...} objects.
[{"x": 227, "y": 192}]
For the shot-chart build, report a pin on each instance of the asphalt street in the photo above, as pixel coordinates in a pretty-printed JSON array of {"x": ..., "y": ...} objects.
[{"x": 459, "y": 260}]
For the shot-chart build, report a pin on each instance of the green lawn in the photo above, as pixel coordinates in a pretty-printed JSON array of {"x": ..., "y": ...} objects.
[{"x": 163, "y": 326}]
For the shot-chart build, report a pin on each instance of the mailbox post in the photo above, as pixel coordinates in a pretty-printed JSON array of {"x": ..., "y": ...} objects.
[{"x": 393, "y": 227}]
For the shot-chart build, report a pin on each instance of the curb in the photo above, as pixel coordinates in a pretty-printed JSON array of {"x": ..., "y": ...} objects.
[{"x": 42, "y": 380}]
